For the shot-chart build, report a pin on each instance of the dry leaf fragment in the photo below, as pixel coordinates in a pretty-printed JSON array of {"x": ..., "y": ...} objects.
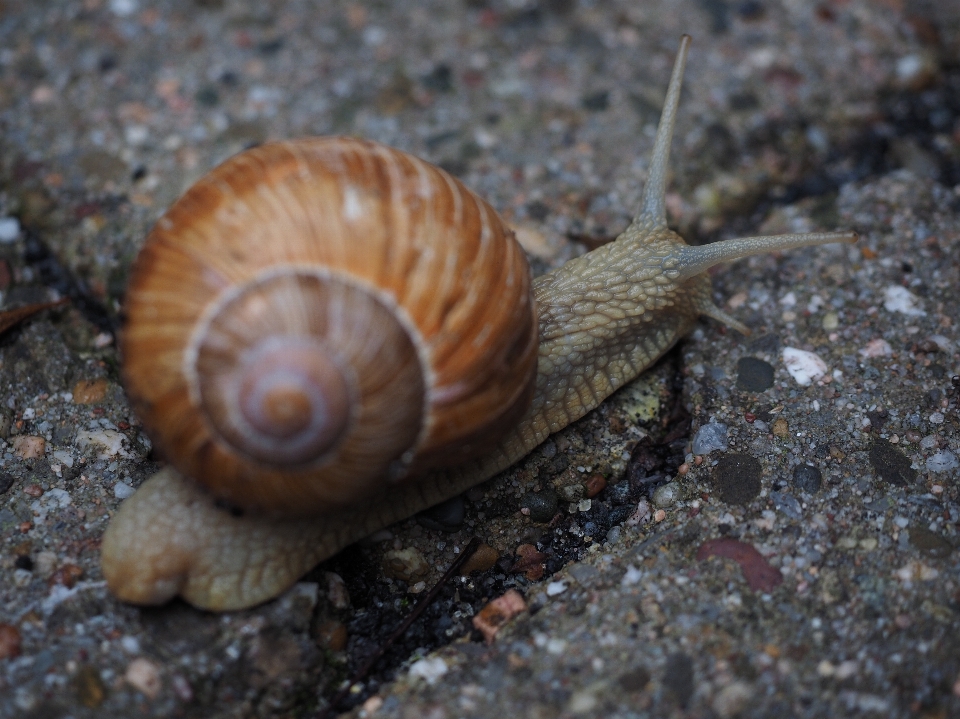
[{"x": 11, "y": 318}]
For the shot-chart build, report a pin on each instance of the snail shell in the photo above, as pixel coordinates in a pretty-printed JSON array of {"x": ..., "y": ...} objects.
[{"x": 316, "y": 316}]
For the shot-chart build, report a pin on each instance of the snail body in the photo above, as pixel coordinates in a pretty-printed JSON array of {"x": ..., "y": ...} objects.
[{"x": 332, "y": 335}]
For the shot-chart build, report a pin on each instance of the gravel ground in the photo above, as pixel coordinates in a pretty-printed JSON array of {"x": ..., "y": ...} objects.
[{"x": 746, "y": 530}]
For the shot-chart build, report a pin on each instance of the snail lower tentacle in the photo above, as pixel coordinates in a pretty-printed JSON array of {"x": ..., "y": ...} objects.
[{"x": 335, "y": 335}]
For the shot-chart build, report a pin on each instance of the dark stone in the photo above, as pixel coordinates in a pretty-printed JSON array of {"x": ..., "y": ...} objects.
[
  {"x": 891, "y": 464},
  {"x": 6, "y": 481},
  {"x": 737, "y": 478},
  {"x": 634, "y": 680},
  {"x": 619, "y": 493},
  {"x": 597, "y": 102},
  {"x": 754, "y": 375},
  {"x": 445, "y": 517},
  {"x": 678, "y": 677},
  {"x": 207, "y": 96},
  {"x": 620, "y": 514},
  {"x": 930, "y": 543},
  {"x": 542, "y": 505},
  {"x": 807, "y": 479},
  {"x": 878, "y": 419},
  {"x": 23, "y": 561},
  {"x": 440, "y": 79}
]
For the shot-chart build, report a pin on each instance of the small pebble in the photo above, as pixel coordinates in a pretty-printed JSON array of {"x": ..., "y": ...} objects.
[
  {"x": 331, "y": 635},
  {"x": 89, "y": 391},
  {"x": 9, "y": 229},
  {"x": 68, "y": 575},
  {"x": 29, "y": 447},
  {"x": 876, "y": 348},
  {"x": 404, "y": 564},
  {"x": 805, "y": 367},
  {"x": 108, "y": 442},
  {"x": 9, "y": 641},
  {"x": 337, "y": 592},
  {"x": 710, "y": 437},
  {"x": 916, "y": 572},
  {"x": 666, "y": 494},
  {"x": 781, "y": 428},
  {"x": 572, "y": 492},
  {"x": 122, "y": 490},
  {"x": 542, "y": 505},
  {"x": 787, "y": 503},
  {"x": 733, "y": 699},
  {"x": 595, "y": 484},
  {"x": 429, "y": 669},
  {"x": 830, "y": 321},
  {"x": 555, "y": 588},
  {"x": 91, "y": 690},
  {"x": 659, "y": 516},
  {"x": 754, "y": 374},
  {"x": 897, "y": 298},
  {"x": 912, "y": 435},
  {"x": 942, "y": 462},
  {"x": 144, "y": 676},
  {"x": 807, "y": 479},
  {"x": 501, "y": 610}
]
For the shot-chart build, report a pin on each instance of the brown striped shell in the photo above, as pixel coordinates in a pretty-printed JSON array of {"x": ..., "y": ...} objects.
[{"x": 315, "y": 317}]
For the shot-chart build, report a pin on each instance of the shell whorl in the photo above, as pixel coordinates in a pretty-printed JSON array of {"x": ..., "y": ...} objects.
[{"x": 315, "y": 317}]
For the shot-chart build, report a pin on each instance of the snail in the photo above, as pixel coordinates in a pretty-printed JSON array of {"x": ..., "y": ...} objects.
[{"x": 325, "y": 336}]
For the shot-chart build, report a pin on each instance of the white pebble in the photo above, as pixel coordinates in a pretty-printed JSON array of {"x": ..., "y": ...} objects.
[
  {"x": 633, "y": 576},
  {"x": 942, "y": 462},
  {"x": 123, "y": 8},
  {"x": 916, "y": 571},
  {"x": 803, "y": 366},
  {"x": 9, "y": 229},
  {"x": 109, "y": 440},
  {"x": 144, "y": 675},
  {"x": 942, "y": 343},
  {"x": 429, "y": 669},
  {"x": 555, "y": 588},
  {"x": 122, "y": 490},
  {"x": 876, "y": 348},
  {"x": 556, "y": 646},
  {"x": 789, "y": 300},
  {"x": 897, "y": 298}
]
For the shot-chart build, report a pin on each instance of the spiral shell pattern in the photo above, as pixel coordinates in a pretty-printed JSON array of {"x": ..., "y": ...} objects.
[{"x": 316, "y": 317}]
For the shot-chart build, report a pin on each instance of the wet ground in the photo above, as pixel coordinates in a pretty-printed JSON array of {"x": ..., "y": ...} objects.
[{"x": 743, "y": 531}]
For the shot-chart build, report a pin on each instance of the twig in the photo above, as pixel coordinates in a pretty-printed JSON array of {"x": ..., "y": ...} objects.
[{"x": 425, "y": 602}]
